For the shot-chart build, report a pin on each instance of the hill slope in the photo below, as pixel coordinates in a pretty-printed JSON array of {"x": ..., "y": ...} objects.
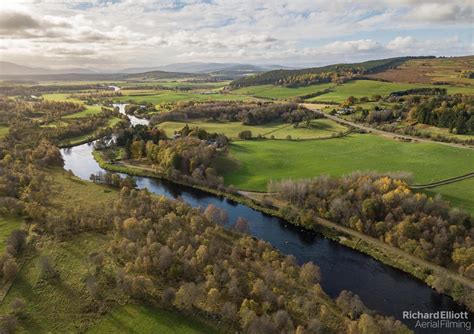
[{"x": 304, "y": 77}]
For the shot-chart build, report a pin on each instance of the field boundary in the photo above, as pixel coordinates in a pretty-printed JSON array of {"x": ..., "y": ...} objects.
[{"x": 442, "y": 182}]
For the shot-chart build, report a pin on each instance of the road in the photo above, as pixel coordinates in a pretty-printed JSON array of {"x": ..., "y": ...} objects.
[{"x": 383, "y": 133}]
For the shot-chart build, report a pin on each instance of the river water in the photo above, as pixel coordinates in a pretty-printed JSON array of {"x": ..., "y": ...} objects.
[{"x": 382, "y": 288}]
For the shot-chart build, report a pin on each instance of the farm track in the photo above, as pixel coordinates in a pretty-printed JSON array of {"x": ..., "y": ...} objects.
[
  {"x": 386, "y": 134},
  {"x": 380, "y": 245},
  {"x": 442, "y": 182}
]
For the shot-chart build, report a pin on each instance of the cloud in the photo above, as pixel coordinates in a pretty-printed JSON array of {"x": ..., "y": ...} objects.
[
  {"x": 361, "y": 45},
  {"x": 442, "y": 13},
  {"x": 148, "y": 32},
  {"x": 402, "y": 43},
  {"x": 13, "y": 21}
]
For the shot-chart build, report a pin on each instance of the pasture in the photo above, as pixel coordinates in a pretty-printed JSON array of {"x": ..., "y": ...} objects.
[
  {"x": 460, "y": 194},
  {"x": 280, "y": 92},
  {"x": 166, "y": 96},
  {"x": 368, "y": 88},
  {"x": 142, "y": 319},
  {"x": 319, "y": 128},
  {"x": 255, "y": 162}
]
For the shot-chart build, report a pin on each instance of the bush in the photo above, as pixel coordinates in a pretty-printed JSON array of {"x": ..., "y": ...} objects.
[{"x": 245, "y": 135}]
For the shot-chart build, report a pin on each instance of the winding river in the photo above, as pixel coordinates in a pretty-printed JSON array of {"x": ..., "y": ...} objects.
[{"x": 382, "y": 288}]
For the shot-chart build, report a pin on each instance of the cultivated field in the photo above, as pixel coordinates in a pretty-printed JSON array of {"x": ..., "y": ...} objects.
[
  {"x": 319, "y": 128},
  {"x": 257, "y": 162}
]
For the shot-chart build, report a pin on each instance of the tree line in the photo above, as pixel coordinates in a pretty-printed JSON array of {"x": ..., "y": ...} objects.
[{"x": 247, "y": 113}]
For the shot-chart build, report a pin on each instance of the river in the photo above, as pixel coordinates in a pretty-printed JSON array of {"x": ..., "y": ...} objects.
[{"x": 382, "y": 288}]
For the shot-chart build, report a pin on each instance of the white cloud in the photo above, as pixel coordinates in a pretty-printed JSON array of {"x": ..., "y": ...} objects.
[
  {"x": 442, "y": 12},
  {"x": 362, "y": 45}
]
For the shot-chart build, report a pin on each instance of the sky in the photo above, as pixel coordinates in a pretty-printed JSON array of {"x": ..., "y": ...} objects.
[{"x": 118, "y": 34}]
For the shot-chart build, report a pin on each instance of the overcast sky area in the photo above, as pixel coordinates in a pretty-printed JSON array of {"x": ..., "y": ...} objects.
[{"x": 118, "y": 34}]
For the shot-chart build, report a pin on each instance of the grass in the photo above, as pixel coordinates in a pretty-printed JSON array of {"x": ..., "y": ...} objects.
[
  {"x": 63, "y": 305},
  {"x": 279, "y": 92},
  {"x": 142, "y": 319},
  {"x": 257, "y": 162},
  {"x": 320, "y": 128},
  {"x": 7, "y": 225},
  {"x": 173, "y": 96},
  {"x": 360, "y": 88},
  {"x": 89, "y": 111},
  {"x": 3, "y": 131},
  {"x": 461, "y": 194},
  {"x": 61, "y": 97},
  {"x": 74, "y": 192}
]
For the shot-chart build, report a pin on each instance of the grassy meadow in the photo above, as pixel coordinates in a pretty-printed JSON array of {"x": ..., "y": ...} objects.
[
  {"x": 7, "y": 225},
  {"x": 319, "y": 128},
  {"x": 142, "y": 319},
  {"x": 166, "y": 96},
  {"x": 280, "y": 92},
  {"x": 460, "y": 194},
  {"x": 256, "y": 162},
  {"x": 368, "y": 88}
]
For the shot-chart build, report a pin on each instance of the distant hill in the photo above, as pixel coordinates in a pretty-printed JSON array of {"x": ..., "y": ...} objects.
[
  {"x": 158, "y": 75},
  {"x": 307, "y": 76},
  {"x": 201, "y": 67},
  {"x": 7, "y": 68}
]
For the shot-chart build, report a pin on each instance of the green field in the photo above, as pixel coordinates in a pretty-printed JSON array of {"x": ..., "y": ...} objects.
[
  {"x": 173, "y": 96},
  {"x": 320, "y": 128},
  {"x": 141, "y": 319},
  {"x": 280, "y": 92},
  {"x": 3, "y": 131},
  {"x": 368, "y": 88},
  {"x": 89, "y": 111},
  {"x": 257, "y": 162},
  {"x": 7, "y": 225},
  {"x": 61, "y": 97},
  {"x": 461, "y": 194}
]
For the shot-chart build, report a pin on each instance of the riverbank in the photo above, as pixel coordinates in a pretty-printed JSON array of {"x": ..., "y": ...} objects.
[{"x": 431, "y": 274}]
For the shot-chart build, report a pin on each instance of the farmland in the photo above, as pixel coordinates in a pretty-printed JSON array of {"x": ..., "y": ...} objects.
[
  {"x": 257, "y": 162},
  {"x": 279, "y": 92},
  {"x": 368, "y": 88},
  {"x": 319, "y": 128},
  {"x": 167, "y": 96},
  {"x": 461, "y": 194}
]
